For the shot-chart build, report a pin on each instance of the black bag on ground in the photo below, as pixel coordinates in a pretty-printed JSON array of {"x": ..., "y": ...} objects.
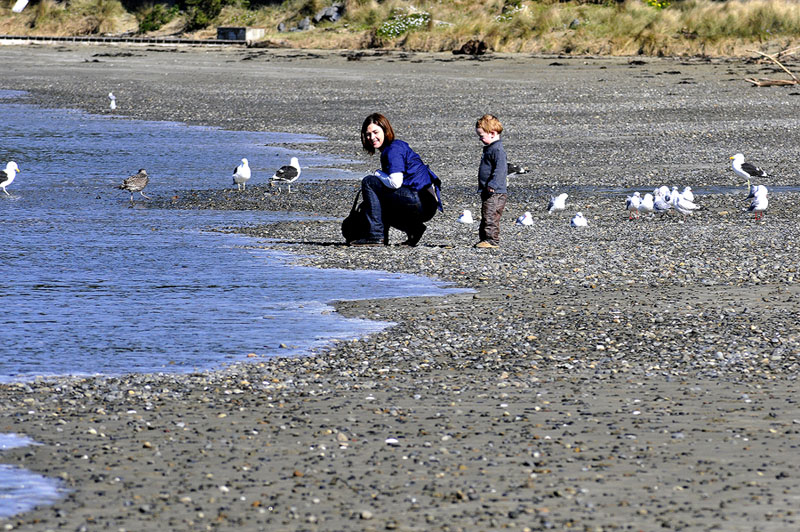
[{"x": 355, "y": 226}]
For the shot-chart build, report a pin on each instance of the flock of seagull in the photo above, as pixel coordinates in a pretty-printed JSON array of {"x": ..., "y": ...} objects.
[
  {"x": 662, "y": 199},
  {"x": 241, "y": 175}
]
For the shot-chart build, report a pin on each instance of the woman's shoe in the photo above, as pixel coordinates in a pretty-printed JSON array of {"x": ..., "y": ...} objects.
[
  {"x": 366, "y": 242},
  {"x": 413, "y": 238}
]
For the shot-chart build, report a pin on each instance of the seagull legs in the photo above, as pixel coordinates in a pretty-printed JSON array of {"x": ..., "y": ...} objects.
[
  {"x": 6, "y": 191},
  {"x": 142, "y": 193}
]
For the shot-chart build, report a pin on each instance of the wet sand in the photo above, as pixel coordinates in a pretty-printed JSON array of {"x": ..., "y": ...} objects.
[{"x": 632, "y": 375}]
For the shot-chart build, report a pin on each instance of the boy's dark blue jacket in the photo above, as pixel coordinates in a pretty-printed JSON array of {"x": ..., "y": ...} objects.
[{"x": 493, "y": 170}]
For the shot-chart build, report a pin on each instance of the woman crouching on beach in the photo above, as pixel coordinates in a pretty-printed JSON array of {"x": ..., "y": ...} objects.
[{"x": 404, "y": 193}]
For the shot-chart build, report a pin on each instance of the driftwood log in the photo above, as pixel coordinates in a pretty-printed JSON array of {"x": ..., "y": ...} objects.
[{"x": 765, "y": 82}]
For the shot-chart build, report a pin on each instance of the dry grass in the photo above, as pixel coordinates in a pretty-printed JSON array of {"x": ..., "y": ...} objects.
[{"x": 689, "y": 27}]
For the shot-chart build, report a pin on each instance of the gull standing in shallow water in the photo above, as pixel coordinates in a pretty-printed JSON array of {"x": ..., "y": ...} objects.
[
  {"x": 241, "y": 175},
  {"x": 557, "y": 203},
  {"x": 287, "y": 174},
  {"x": 136, "y": 183},
  {"x": 7, "y": 176}
]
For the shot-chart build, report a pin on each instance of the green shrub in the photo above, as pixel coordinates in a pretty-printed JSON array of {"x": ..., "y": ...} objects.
[
  {"x": 152, "y": 18},
  {"x": 200, "y": 13}
]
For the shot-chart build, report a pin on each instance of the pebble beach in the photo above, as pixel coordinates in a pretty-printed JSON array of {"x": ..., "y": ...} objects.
[{"x": 629, "y": 375}]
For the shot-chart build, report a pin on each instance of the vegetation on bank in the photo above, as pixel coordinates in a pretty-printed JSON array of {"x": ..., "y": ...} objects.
[{"x": 650, "y": 27}]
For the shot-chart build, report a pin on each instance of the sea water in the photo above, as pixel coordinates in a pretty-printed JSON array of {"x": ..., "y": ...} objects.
[{"x": 92, "y": 286}]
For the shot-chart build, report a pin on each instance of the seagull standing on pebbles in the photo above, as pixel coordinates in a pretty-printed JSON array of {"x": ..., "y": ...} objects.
[
  {"x": 578, "y": 220},
  {"x": 241, "y": 175},
  {"x": 759, "y": 203},
  {"x": 681, "y": 204},
  {"x": 646, "y": 204},
  {"x": 113, "y": 104},
  {"x": 466, "y": 217},
  {"x": 557, "y": 203},
  {"x": 8, "y": 175},
  {"x": 661, "y": 203},
  {"x": 632, "y": 205},
  {"x": 745, "y": 170},
  {"x": 136, "y": 183},
  {"x": 525, "y": 219},
  {"x": 287, "y": 174}
]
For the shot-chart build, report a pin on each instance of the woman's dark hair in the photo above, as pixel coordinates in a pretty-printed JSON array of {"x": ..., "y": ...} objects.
[{"x": 383, "y": 123}]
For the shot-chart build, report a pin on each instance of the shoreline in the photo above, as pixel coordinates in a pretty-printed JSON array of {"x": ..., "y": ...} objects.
[{"x": 632, "y": 375}]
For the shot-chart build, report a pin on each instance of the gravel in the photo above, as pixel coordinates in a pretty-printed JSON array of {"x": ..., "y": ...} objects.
[{"x": 633, "y": 374}]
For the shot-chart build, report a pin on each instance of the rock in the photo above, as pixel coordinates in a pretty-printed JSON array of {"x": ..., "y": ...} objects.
[
  {"x": 329, "y": 14},
  {"x": 472, "y": 47}
]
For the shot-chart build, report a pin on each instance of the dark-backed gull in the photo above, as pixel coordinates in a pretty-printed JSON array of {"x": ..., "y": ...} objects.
[
  {"x": 287, "y": 174},
  {"x": 745, "y": 170},
  {"x": 8, "y": 176},
  {"x": 513, "y": 168},
  {"x": 241, "y": 175},
  {"x": 136, "y": 183}
]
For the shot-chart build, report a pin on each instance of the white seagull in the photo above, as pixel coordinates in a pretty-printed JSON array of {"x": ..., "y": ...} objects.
[
  {"x": 466, "y": 217},
  {"x": 646, "y": 204},
  {"x": 8, "y": 175},
  {"x": 557, "y": 203},
  {"x": 632, "y": 205},
  {"x": 287, "y": 174},
  {"x": 241, "y": 175},
  {"x": 662, "y": 191},
  {"x": 681, "y": 204},
  {"x": 661, "y": 204},
  {"x": 113, "y": 104},
  {"x": 759, "y": 203},
  {"x": 756, "y": 189},
  {"x": 745, "y": 170},
  {"x": 525, "y": 219},
  {"x": 578, "y": 220},
  {"x": 687, "y": 193}
]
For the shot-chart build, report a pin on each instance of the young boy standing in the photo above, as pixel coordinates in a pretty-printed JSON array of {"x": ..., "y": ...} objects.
[{"x": 492, "y": 174}]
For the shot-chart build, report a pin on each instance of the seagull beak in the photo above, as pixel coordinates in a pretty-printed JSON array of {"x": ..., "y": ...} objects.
[{"x": 731, "y": 158}]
